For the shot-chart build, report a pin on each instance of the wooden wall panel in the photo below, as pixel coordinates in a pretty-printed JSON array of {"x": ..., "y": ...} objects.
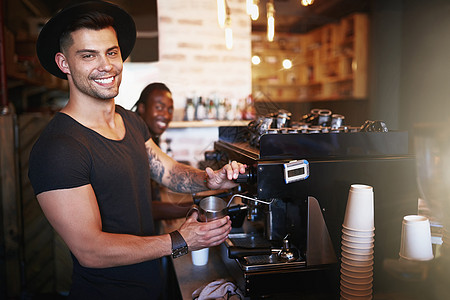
[
  {"x": 38, "y": 235},
  {"x": 47, "y": 261},
  {"x": 63, "y": 265},
  {"x": 9, "y": 211}
]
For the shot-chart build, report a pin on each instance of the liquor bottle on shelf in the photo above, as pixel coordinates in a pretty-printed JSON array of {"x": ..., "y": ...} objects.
[
  {"x": 221, "y": 110},
  {"x": 190, "y": 110},
  {"x": 212, "y": 110},
  {"x": 201, "y": 109}
]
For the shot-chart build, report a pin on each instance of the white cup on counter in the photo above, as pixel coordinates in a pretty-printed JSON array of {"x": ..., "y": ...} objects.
[
  {"x": 200, "y": 257},
  {"x": 416, "y": 238}
]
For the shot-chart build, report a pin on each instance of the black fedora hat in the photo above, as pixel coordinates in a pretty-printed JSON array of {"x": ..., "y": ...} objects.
[{"x": 47, "y": 44}]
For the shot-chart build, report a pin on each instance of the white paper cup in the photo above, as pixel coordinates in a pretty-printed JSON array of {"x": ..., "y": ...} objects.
[
  {"x": 357, "y": 274},
  {"x": 416, "y": 238},
  {"x": 357, "y": 233},
  {"x": 357, "y": 269},
  {"x": 359, "y": 213},
  {"x": 356, "y": 292},
  {"x": 356, "y": 280},
  {"x": 357, "y": 251},
  {"x": 357, "y": 263},
  {"x": 346, "y": 296},
  {"x": 200, "y": 257},
  {"x": 357, "y": 257},
  {"x": 357, "y": 245},
  {"x": 356, "y": 286},
  {"x": 357, "y": 239}
]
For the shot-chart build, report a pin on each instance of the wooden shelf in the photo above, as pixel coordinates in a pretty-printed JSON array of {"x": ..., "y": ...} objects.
[{"x": 329, "y": 63}]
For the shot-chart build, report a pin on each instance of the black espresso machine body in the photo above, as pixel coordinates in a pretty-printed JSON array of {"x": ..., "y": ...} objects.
[{"x": 311, "y": 211}]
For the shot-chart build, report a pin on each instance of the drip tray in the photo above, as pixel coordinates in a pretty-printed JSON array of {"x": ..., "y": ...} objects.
[
  {"x": 256, "y": 263},
  {"x": 247, "y": 240}
]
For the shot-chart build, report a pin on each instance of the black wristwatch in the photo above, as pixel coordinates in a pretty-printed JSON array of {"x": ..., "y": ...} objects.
[{"x": 179, "y": 246}]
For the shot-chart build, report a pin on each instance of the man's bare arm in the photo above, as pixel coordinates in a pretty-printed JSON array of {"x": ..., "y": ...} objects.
[
  {"x": 178, "y": 177},
  {"x": 75, "y": 215},
  {"x": 186, "y": 179}
]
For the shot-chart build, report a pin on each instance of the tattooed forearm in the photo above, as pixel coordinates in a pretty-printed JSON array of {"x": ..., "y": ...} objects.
[
  {"x": 156, "y": 166},
  {"x": 184, "y": 179}
]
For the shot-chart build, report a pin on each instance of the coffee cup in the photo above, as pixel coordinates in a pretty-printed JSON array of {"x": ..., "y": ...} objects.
[
  {"x": 359, "y": 213},
  {"x": 200, "y": 257},
  {"x": 416, "y": 238}
]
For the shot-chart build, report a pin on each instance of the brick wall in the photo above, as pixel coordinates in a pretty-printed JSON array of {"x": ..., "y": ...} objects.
[
  {"x": 192, "y": 54},
  {"x": 190, "y": 144},
  {"x": 193, "y": 59}
]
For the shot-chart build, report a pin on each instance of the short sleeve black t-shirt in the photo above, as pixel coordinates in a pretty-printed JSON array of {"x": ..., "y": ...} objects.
[{"x": 69, "y": 155}]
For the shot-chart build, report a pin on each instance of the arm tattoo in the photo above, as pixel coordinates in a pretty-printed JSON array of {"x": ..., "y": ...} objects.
[
  {"x": 156, "y": 166},
  {"x": 185, "y": 179}
]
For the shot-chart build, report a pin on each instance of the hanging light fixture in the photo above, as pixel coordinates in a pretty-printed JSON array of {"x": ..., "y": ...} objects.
[
  {"x": 287, "y": 64},
  {"x": 248, "y": 5},
  {"x": 221, "y": 13},
  {"x": 228, "y": 36},
  {"x": 256, "y": 60},
  {"x": 270, "y": 21},
  {"x": 306, "y": 2},
  {"x": 254, "y": 13},
  {"x": 228, "y": 30}
]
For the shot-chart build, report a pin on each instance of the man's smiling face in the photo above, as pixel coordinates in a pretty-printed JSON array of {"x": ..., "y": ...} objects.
[
  {"x": 157, "y": 111},
  {"x": 95, "y": 63}
]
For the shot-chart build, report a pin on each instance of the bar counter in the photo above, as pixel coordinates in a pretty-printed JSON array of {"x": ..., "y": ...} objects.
[{"x": 191, "y": 277}]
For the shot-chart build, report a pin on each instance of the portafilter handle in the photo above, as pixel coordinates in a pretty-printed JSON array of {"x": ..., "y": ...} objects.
[{"x": 248, "y": 177}]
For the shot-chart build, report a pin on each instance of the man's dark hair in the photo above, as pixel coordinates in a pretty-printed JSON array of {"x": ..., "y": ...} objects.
[
  {"x": 92, "y": 20},
  {"x": 155, "y": 86}
]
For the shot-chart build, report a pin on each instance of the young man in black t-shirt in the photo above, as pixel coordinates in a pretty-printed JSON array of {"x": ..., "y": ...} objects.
[{"x": 91, "y": 165}]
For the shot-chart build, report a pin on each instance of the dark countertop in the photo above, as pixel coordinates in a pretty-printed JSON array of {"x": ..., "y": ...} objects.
[{"x": 191, "y": 277}]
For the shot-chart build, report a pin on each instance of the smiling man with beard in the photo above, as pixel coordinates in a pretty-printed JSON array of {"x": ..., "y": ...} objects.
[{"x": 91, "y": 167}]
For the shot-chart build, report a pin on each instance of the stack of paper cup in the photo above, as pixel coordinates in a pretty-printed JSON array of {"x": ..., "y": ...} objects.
[
  {"x": 416, "y": 239},
  {"x": 358, "y": 233}
]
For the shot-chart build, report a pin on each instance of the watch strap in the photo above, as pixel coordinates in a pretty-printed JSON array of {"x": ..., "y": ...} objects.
[{"x": 179, "y": 246}]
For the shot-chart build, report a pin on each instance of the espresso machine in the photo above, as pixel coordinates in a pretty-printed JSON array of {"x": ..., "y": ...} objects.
[{"x": 289, "y": 244}]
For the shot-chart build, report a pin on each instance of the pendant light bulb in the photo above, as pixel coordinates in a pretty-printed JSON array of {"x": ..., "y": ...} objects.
[
  {"x": 221, "y": 13},
  {"x": 249, "y": 4},
  {"x": 270, "y": 21},
  {"x": 306, "y": 2},
  {"x": 255, "y": 12},
  {"x": 256, "y": 60},
  {"x": 228, "y": 33},
  {"x": 229, "y": 38},
  {"x": 287, "y": 64}
]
